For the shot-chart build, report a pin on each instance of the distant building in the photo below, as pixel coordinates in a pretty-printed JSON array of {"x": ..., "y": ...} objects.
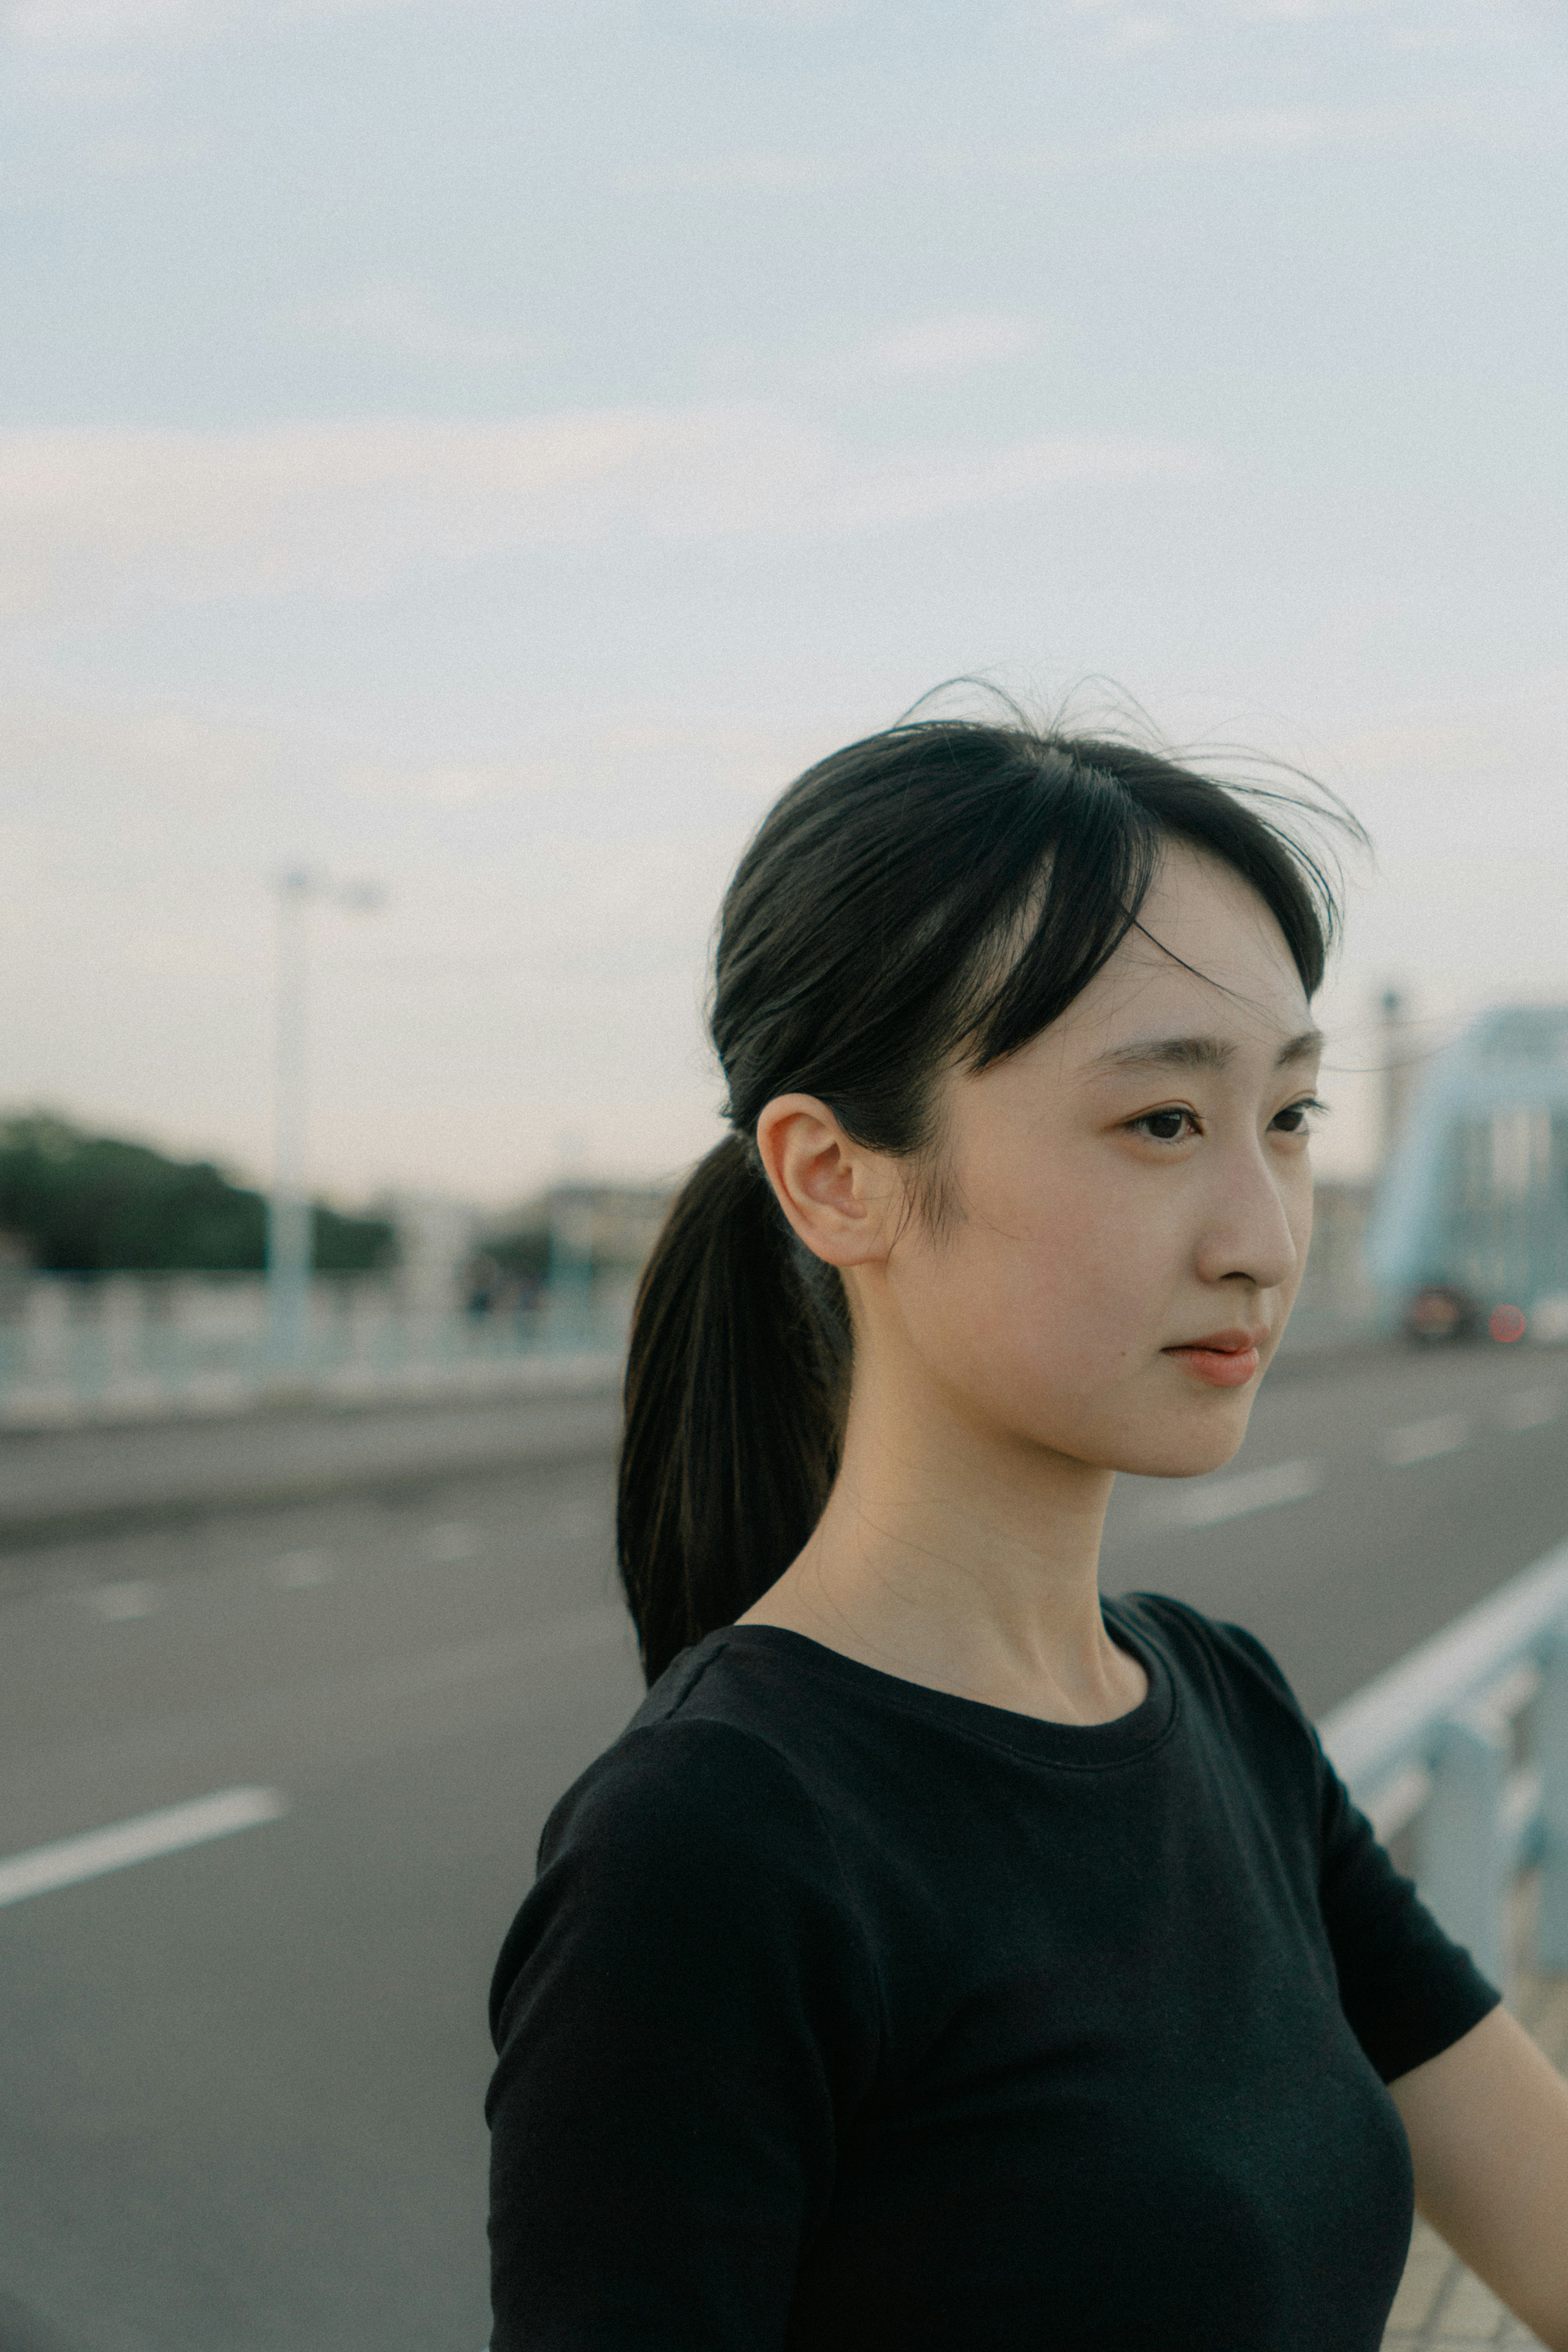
[
  {"x": 604, "y": 1228},
  {"x": 1474, "y": 1198},
  {"x": 571, "y": 1256},
  {"x": 1336, "y": 1300},
  {"x": 1399, "y": 1070},
  {"x": 434, "y": 1242}
]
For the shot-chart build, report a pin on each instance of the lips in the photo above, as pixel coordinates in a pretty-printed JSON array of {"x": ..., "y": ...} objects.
[{"x": 1223, "y": 1359}]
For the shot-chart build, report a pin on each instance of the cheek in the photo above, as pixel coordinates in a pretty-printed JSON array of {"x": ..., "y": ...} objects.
[{"x": 1071, "y": 1290}]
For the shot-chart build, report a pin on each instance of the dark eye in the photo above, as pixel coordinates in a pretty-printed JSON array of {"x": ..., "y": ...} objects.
[
  {"x": 1164, "y": 1126},
  {"x": 1296, "y": 1117}
]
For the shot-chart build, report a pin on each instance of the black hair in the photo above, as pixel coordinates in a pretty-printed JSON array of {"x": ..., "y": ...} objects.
[{"x": 945, "y": 889}]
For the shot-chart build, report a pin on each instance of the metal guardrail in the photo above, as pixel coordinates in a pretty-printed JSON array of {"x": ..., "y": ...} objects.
[
  {"x": 1466, "y": 1742},
  {"x": 133, "y": 1347}
]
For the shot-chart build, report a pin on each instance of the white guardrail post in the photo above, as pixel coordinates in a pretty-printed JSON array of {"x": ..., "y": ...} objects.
[
  {"x": 1552, "y": 1744},
  {"x": 1463, "y": 1862},
  {"x": 1430, "y": 1744}
]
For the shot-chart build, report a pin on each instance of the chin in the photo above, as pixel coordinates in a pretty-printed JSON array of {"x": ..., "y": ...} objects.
[{"x": 1207, "y": 1444}]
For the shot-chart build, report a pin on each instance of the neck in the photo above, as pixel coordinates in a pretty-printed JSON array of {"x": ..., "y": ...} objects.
[{"x": 960, "y": 1556}]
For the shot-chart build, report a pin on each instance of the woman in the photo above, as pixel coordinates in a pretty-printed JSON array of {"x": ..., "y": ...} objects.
[{"x": 945, "y": 1956}]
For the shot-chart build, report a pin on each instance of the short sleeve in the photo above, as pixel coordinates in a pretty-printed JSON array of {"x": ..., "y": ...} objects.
[
  {"x": 1407, "y": 1990},
  {"x": 685, "y": 2015}
]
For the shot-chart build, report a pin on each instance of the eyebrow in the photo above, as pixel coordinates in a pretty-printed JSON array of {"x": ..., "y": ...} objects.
[{"x": 1198, "y": 1053}]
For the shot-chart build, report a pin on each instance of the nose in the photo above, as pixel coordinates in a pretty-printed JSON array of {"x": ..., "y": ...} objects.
[{"x": 1254, "y": 1231}]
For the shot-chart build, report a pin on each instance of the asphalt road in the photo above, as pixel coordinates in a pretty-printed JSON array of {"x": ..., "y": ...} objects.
[{"x": 240, "y": 2084}]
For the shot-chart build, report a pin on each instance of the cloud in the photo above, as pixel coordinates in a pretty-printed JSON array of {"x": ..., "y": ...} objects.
[
  {"x": 87, "y": 22},
  {"x": 1127, "y": 28},
  {"x": 190, "y": 766},
  {"x": 700, "y": 175},
  {"x": 1294, "y": 129},
  {"x": 1398, "y": 23},
  {"x": 1139, "y": 30},
  {"x": 803, "y": 16},
  {"x": 345, "y": 511},
  {"x": 1323, "y": 12},
  {"x": 950, "y": 345},
  {"x": 472, "y": 784},
  {"x": 1472, "y": 116},
  {"x": 1194, "y": 12},
  {"x": 394, "y": 314},
  {"x": 90, "y": 24}
]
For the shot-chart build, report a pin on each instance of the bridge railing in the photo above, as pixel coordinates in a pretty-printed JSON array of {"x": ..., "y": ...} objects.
[
  {"x": 1465, "y": 1743},
  {"x": 134, "y": 1346}
]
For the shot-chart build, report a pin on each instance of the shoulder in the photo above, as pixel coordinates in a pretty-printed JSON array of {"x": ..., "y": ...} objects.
[
  {"x": 688, "y": 1852},
  {"x": 700, "y": 1764},
  {"x": 677, "y": 1791}
]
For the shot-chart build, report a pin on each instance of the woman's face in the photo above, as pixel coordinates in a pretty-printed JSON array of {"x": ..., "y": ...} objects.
[{"x": 1132, "y": 1198}]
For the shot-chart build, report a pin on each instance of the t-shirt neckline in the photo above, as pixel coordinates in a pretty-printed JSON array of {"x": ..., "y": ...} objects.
[{"x": 1088, "y": 1747}]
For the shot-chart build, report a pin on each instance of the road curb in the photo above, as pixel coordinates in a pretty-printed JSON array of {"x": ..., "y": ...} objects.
[{"x": 591, "y": 1430}]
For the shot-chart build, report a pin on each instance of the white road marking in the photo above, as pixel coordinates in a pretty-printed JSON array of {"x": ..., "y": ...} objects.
[
  {"x": 455, "y": 1541},
  {"x": 170, "y": 1830},
  {"x": 297, "y": 1570},
  {"x": 1530, "y": 1408},
  {"x": 1249, "y": 1490},
  {"x": 1423, "y": 1441},
  {"x": 119, "y": 1602},
  {"x": 577, "y": 1521}
]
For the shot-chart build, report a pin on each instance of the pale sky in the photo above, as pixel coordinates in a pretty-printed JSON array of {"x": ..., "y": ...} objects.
[{"x": 489, "y": 450}]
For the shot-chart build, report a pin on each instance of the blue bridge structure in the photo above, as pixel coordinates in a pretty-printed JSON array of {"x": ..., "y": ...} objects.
[{"x": 1474, "y": 1198}]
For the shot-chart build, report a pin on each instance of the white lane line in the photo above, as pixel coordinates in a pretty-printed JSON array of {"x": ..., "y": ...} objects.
[
  {"x": 577, "y": 1521},
  {"x": 170, "y": 1830},
  {"x": 1249, "y": 1490},
  {"x": 298, "y": 1571},
  {"x": 1530, "y": 1408},
  {"x": 119, "y": 1602},
  {"x": 1423, "y": 1441},
  {"x": 456, "y": 1539}
]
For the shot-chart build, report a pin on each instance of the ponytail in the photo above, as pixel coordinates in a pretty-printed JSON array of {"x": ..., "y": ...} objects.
[{"x": 735, "y": 1383}]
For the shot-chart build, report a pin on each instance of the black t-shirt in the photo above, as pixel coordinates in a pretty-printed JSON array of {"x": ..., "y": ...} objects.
[{"x": 846, "y": 2013}]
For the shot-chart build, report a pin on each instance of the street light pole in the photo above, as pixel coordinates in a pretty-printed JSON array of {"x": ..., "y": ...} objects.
[
  {"x": 289, "y": 1218},
  {"x": 288, "y": 1208}
]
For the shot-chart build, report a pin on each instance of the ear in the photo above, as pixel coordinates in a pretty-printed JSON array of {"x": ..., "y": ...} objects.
[{"x": 833, "y": 1192}]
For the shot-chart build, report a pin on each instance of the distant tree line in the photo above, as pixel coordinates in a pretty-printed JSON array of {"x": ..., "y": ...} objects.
[{"x": 82, "y": 1203}]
